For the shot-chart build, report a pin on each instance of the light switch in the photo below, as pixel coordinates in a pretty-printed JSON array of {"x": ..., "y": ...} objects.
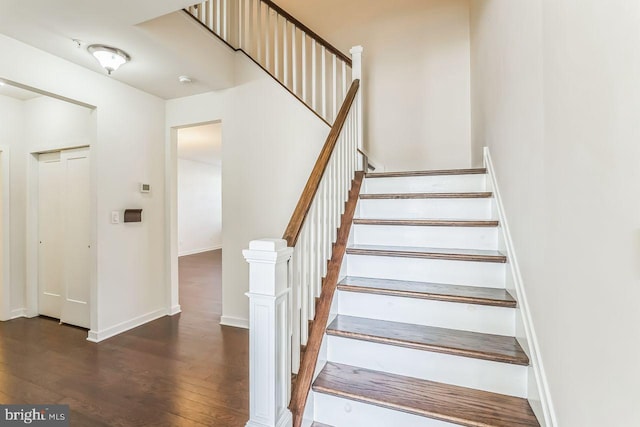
[{"x": 115, "y": 217}]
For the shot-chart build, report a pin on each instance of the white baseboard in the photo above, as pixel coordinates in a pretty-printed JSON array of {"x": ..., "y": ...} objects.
[
  {"x": 174, "y": 310},
  {"x": 97, "y": 336},
  {"x": 236, "y": 322},
  {"x": 548, "y": 412},
  {"x": 18, "y": 312},
  {"x": 199, "y": 251}
]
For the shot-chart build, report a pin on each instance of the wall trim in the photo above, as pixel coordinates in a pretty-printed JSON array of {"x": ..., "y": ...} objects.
[
  {"x": 97, "y": 336},
  {"x": 199, "y": 251},
  {"x": 236, "y": 322},
  {"x": 176, "y": 309},
  {"x": 17, "y": 313},
  {"x": 521, "y": 296}
]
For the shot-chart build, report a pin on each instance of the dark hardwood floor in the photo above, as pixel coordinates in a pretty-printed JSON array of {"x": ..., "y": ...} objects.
[{"x": 184, "y": 370}]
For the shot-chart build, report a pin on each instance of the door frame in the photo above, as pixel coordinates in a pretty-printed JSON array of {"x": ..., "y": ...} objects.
[
  {"x": 5, "y": 278},
  {"x": 171, "y": 213},
  {"x": 32, "y": 288}
]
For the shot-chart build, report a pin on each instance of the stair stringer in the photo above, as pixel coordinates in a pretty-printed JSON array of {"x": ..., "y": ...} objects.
[{"x": 538, "y": 388}]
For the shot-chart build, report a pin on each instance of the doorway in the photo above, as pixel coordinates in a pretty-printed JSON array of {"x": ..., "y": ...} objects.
[
  {"x": 194, "y": 207},
  {"x": 64, "y": 236}
]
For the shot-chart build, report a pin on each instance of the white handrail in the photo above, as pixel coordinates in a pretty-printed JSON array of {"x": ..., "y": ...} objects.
[{"x": 248, "y": 25}]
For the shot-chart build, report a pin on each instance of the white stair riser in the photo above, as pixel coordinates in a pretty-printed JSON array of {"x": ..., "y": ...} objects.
[
  {"x": 425, "y": 184},
  {"x": 496, "y": 377},
  {"x": 488, "y": 274},
  {"x": 425, "y": 208},
  {"x": 433, "y": 237},
  {"x": 450, "y": 315},
  {"x": 340, "y": 412}
]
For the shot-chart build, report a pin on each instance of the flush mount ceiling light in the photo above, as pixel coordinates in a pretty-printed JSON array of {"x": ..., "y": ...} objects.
[{"x": 111, "y": 58}]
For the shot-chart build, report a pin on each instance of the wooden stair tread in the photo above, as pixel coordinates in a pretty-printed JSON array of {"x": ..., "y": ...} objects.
[
  {"x": 433, "y": 291},
  {"x": 496, "y": 348},
  {"x": 477, "y": 255},
  {"x": 428, "y": 222},
  {"x": 465, "y": 195},
  {"x": 459, "y": 405},
  {"x": 475, "y": 171}
]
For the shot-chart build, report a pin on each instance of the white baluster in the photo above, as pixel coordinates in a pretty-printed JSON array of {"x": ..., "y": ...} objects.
[
  {"x": 251, "y": 29},
  {"x": 260, "y": 36},
  {"x": 294, "y": 59},
  {"x": 335, "y": 87},
  {"x": 285, "y": 54},
  {"x": 295, "y": 302},
  {"x": 218, "y": 17},
  {"x": 313, "y": 240},
  {"x": 242, "y": 27},
  {"x": 269, "y": 334},
  {"x": 276, "y": 51},
  {"x": 323, "y": 249},
  {"x": 303, "y": 63},
  {"x": 318, "y": 244},
  {"x": 225, "y": 20},
  {"x": 314, "y": 71},
  {"x": 304, "y": 317},
  {"x": 324, "y": 81},
  {"x": 344, "y": 81},
  {"x": 356, "y": 73}
]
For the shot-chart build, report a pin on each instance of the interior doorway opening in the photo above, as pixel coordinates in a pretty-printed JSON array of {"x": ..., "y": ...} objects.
[{"x": 198, "y": 208}]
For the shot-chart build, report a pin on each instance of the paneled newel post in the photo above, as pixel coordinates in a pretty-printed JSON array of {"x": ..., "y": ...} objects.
[
  {"x": 269, "y": 333},
  {"x": 356, "y": 74}
]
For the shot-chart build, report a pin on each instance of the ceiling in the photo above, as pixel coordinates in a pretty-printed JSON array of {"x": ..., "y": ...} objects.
[
  {"x": 164, "y": 43},
  {"x": 201, "y": 143}
]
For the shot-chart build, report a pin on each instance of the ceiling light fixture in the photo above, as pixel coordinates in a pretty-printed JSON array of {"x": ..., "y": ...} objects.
[
  {"x": 185, "y": 79},
  {"x": 111, "y": 58}
]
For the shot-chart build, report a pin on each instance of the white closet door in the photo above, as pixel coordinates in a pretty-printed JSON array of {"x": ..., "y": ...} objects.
[
  {"x": 77, "y": 238},
  {"x": 50, "y": 234},
  {"x": 64, "y": 234}
]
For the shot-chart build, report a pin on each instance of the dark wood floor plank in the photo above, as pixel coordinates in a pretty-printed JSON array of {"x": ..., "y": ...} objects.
[
  {"x": 458, "y": 405},
  {"x": 185, "y": 370},
  {"x": 475, "y": 171},
  {"x": 472, "y": 195},
  {"x": 432, "y": 291},
  {"x": 476, "y": 255},
  {"x": 427, "y": 222},
  {"x": 496, "y": 348}
]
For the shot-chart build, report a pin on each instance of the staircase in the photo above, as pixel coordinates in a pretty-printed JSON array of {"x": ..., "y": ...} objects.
[{"x": 421, "y": 331}]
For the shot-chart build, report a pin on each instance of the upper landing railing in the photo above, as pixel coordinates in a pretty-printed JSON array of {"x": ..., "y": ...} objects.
[{"x": 308, "y": 66}]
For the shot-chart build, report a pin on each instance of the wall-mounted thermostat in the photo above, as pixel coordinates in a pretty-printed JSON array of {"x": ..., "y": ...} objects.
[{"x": 145, "y": 188}]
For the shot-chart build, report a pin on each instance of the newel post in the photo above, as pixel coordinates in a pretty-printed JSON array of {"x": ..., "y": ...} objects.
[
  {"x": 269, "y": 333},
  {"x": 356, "y": 72}
]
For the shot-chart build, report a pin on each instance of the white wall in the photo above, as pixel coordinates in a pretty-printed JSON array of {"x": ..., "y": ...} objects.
[
  {"x": 199, "y": 207},
  {"x": 270, "y": 142},
  {"x": 12, "y": 137},
  {"x": 127, "y": 149},
  {"x": 556, "y": 98},
  {"x": 416, "y": 74}
]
